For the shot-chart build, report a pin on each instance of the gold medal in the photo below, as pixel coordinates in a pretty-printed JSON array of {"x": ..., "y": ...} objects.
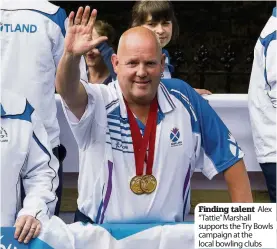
[
  {"x": 135, "y": 185},
  {"x": 148, "y": 184}
]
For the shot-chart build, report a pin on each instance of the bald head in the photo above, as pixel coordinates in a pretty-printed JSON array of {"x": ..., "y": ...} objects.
[
  {"x": 139, "y": 63},
  {"x": 136, "y": 36}
]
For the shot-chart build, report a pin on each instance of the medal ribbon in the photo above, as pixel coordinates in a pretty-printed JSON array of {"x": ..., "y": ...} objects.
[{"x": 140, "y": 142}]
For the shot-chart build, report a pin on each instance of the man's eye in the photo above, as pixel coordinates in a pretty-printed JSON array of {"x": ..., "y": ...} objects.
[
  {"x": 131, "y": 63},
  {"x": 151, "y": 63}
]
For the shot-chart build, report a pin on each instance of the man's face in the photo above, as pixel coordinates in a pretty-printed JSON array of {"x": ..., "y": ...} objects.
[
  {"x": 139, "y": 65},
  {"x": 163, "y": 29}
]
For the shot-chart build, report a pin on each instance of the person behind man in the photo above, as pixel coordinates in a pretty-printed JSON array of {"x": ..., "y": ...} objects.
[
  {"x": 26, "y": 154},
  {"x": 159, "y": 17},
  {"x": 262, "y": 102},
  {"x": 32, "y": 37},
  {"x": 100, "y": 71},
  {"x": 118, "y": 180}
]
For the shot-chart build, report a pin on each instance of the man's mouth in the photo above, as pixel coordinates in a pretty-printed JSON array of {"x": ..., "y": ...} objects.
[{"x": 143, "y": 82}]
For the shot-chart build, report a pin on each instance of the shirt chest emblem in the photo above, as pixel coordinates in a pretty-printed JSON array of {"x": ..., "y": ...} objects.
[{"x": 175, "y": 139}]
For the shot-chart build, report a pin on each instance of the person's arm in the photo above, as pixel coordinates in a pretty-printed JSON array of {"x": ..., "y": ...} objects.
[
  {"x": 40, "y": 181},
  {"x": 78, "y": 41},
  {"x": 238, "y": 183}
]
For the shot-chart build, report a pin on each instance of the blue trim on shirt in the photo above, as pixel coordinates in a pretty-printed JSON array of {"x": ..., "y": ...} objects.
[
  {"x": 58, "y": 18},
  {"x": 166, "y": 94},
  {"x": 99, "y": 212},
  {"x": 3, "y": 113},
  {"x": 183, "y": 88},
  {"x": 185, "y": 203},
  {"x": 26, "y": 115},
  {"x": 119, "y": 132},
  {"x": 108, "y": 80},
  {"x": 43, "y": 148},
  {"x": 265, "y": 42},
  {"x": 119, "y": 125},
  {"x": 112, "y": 103},
  {"x": 41, "y": 145}
]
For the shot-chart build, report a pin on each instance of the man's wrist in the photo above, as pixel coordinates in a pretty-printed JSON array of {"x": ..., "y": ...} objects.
[{"x": 72, "y": 58}]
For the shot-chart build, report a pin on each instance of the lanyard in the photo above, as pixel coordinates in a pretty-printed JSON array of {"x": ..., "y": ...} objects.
[{"x": 140, "y": 142}]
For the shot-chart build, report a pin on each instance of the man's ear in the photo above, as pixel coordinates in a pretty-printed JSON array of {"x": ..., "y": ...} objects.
[
  {"x": 115, "y": 63},
  {"x": 163, "y": 57}
]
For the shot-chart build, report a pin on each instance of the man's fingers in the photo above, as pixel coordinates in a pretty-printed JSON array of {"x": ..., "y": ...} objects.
[
  {"x": 70, "y": 19},
  {"x": 25, "y": 230},
  {"x": 30, "y": 233},
  {"x": 37, "y": 230},
  {"x": 19, "y": 226},
  {"x": 85, "y": 16},
  {"x": 202, "y": 91},
  {"x": 78, "y": 17},
  {"x": 92, "y": 18},
  {"x": 97, "y": 41}
]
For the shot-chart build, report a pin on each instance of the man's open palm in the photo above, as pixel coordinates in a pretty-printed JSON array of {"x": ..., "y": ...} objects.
[{"x": 78, "y": 40}]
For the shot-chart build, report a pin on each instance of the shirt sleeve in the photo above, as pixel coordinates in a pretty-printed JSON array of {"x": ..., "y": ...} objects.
[
  {"x": 216, "y": 149},
  {"x": 86, "y": 130},
  {"x": 270, "y": 71},
  {"x": 39, "y": 174}
]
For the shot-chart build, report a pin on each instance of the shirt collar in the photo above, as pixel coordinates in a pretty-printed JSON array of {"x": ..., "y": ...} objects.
[{"x": 165, "y": 102}]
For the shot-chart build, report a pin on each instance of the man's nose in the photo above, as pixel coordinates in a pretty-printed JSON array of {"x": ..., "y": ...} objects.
[{"x": 141, "y": 71}]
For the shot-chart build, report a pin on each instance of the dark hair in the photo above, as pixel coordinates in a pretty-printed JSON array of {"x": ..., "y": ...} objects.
[
  {"x": 105, "y": 29},
  {"x": 159, "y": 10}
]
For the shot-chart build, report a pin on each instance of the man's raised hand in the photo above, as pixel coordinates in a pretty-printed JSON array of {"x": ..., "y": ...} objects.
[{"x": 78, "y": 39}]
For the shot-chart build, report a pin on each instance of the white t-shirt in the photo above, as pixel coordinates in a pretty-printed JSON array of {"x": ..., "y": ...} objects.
[{"x": 189, "y": 135}]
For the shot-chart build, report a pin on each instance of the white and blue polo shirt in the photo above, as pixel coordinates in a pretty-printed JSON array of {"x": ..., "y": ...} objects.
[
  {"x": 189, "y": 135},
  {"x": 32, "y": 41},
  {"x": 25, "y": 153},
  {"x": 262, "y": 93}
]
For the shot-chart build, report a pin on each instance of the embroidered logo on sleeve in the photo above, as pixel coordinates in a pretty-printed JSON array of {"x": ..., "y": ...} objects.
[{"x": 234, "y": 148}]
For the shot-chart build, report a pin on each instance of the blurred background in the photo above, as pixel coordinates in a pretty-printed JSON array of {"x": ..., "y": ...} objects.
[{"x": 216, "y": 42}]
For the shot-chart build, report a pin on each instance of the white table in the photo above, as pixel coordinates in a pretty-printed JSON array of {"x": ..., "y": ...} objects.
[{"x": 232, "y": 109}]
